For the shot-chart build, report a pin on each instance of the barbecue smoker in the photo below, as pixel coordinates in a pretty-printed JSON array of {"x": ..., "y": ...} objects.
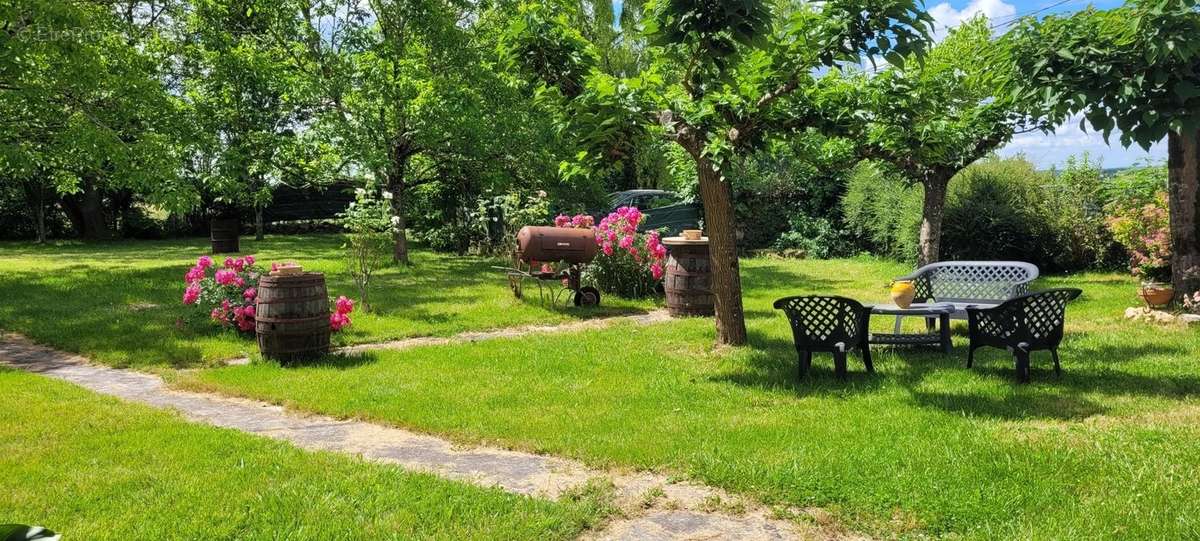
[{"x": 537, "y": 245}]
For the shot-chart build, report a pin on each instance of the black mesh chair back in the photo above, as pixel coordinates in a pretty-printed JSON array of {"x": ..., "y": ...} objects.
[{"x": 827, "y": 323}]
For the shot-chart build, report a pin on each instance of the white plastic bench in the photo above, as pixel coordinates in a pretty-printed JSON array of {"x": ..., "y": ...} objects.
[{"x": 981, "y": 284}]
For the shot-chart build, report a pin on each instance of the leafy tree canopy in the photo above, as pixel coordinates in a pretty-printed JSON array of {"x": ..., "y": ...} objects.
[{"x": 1135, "y": 68}]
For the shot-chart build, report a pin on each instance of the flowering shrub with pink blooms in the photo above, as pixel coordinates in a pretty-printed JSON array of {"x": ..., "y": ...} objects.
[
  {"x": 227, "y": 293},
  {"x": 630, "y": 264},
  {"x": 1145, "y": 231}
]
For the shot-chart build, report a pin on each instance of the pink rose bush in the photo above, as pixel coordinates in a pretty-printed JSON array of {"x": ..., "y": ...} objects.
[
  {"x": 633, "y": 263},
  {"x": 228, "y": 293}
]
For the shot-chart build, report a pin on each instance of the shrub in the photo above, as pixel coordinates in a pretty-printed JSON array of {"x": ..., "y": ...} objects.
[
  {"x": 370, "y": 227},
  {"x": 630, "y": 264},
  {"x": 228, "y": 295},
  {"x": 1144, "y": 230},
  {"x": 883, "y": 212},
  {"x": 796, "y": 180},
  {"x": 508, "y": 213},
  {"x": 817, "y": 237}
]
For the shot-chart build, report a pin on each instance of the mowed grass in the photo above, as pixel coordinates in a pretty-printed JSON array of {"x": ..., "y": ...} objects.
[
  {"x": 119, "y": 303},
  {"x": 925, "y": 447},
  {"x": 91, "y": 467}
]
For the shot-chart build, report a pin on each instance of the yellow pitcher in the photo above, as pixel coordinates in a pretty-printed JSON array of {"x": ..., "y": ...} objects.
[{"x": 903, "y": 293}]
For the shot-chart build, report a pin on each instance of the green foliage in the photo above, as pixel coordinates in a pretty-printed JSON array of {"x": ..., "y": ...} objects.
[
  {"x": 1138, "y": 184},
  {"x": 370, "y": 226},
  {"x": 817, "y": 237},
  {"x": 720, "y": 78},
  {"x": 1143, "y": 228},
  {"x": 619, "y": 274},
  {"x": 1005, "y": 209},
  {"x": 944, "y": 113},
  {"x": 995, "y": 209},
  {"x": 515, "y": 210},
  {"x": 883, "y": 210},
  {"x": 86, "y": 107},
  {"x": 798, "y": 180},
  {"x": 1129, "y": 69}
]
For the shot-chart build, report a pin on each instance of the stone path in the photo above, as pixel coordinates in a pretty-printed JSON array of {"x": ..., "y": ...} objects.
[
  {"x": 652, "y": 506},
  {"x": 656, "y": 316}
]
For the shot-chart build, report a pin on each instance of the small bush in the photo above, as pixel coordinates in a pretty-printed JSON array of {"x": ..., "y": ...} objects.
[
  {"x": 817, "y": 237},
  {"x": 883, "y": 212}
]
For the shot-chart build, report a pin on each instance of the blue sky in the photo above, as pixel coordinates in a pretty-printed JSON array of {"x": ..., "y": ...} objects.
[{"x": 1044, "y": 150}]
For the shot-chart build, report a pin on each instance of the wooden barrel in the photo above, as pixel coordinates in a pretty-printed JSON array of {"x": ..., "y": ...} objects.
[
  {"x": 224, "y": 235},
  {"x": 688, "y": 282},
  {"x": 292, "y": 316}
]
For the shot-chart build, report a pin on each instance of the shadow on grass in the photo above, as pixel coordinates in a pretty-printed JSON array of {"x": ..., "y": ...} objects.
[{"x": 1090, "y": 372}]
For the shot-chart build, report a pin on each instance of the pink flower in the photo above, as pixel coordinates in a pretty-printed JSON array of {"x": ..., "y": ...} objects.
[
  {"x": 217, "y": 314},
  {"x": 337, "y": 321},
  {"x": 656, "y": 270},
  {"x": 195, "y": 274},
  {"x": 547, "y": 268},
  {"x": 227, "y": 277},
  {"x": 561, "y": 220},
  {"x": 228, "y": 262},
  {"x": 225, "y": 306},
  {"x": 239, "y": 281},
  {"x": 191, "y": 294},
  {"x": 250, "y": 293},
  {"x": 274, "y": 267},
  {"x": 626, "y": 242},
  {"x": 239, "y": 264},
  {"x": 204, "y": 262},
  {"x": 249, "y": 260},
  {"x": 608, "y": 248},
  {"x": 343, "y": 305},
  {"x": 612, "y": 236},
  {"x": 249, "y": 311}
]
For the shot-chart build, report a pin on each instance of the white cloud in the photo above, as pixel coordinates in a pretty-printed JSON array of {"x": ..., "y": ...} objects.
[
  {"x": 946, "y": 17},
  {"x": 1067, "y": 140}
]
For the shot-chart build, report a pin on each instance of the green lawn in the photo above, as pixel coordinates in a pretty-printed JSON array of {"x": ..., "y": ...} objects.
[
  {"x": 923, "y": 448},
  {"x": 120, "y": 302},
  {"x": 91, "y": 467}
]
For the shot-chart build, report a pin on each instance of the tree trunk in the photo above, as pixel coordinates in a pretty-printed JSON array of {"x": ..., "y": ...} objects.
[
  {"x": 1183, "y": 170},
  {"x": 726, "y": 279},
  {"x": 258, "y": 222},
  {"x": 932, "y": 211},
  {"x": 396, "y": 185},
  {"x": 35, "y": 195},
  {"x": 86, "y": 211}
]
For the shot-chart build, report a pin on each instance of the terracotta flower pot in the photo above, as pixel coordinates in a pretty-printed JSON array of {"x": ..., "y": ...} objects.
[
  {"x": 1157, "y": 295},
  {"x": 903, "y": 293}
]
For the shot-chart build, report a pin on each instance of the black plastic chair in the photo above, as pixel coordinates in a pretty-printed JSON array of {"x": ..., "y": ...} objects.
[
  {"x": 1022, "y": 325},
  {"x": 830, "y": 324}
]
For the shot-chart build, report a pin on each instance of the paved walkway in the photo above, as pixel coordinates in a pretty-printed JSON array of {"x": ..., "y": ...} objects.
[{"x": 653, "y": 506}]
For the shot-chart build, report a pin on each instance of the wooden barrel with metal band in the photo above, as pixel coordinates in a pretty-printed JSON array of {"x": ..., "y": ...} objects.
[{"x": 292, "y": 316}]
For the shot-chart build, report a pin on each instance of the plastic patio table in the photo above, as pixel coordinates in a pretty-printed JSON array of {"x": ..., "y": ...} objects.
[{"x": 940, "y": 310}]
